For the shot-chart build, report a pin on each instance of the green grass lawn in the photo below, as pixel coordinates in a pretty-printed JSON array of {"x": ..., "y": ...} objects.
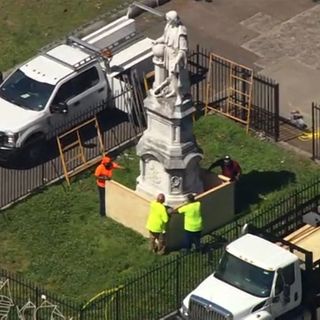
[
  {"x": 57, "y": 239},
  {"x": 25, "y": 26},
  {"x": 269, "y": 172}
]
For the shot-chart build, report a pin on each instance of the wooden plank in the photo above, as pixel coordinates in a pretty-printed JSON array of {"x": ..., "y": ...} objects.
[
  {"x": 296, "y": 233},
  {"x": 239, "y": 105},
  {"x": 305, "y": 235},
  {"x": 70, "y": 146},
  {"x": 312, "y": 243},
  {"x": 241, "y": 79},
  {"x": 240, "y": 92},
  {"x": 307, "y": 238}
]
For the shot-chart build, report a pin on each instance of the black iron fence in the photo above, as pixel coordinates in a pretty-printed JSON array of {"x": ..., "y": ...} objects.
[
  {"x": 17, "y": 292},
  {"x": 264, "y": 115},
  {"x": 315, "y": 131},
  {"x": 156, "y": 291}
]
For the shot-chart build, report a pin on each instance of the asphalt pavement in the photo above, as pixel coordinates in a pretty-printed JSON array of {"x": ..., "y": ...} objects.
[{"x": 279, "y": 38}]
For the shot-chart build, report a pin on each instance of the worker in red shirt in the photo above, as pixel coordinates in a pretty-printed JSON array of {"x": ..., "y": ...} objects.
[
  {"x": 230, "y": 168},
  {"x": 102, "y": 173}
]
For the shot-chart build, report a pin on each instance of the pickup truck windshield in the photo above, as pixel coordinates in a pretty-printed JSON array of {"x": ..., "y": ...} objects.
[
  {"x": 26, "y": 92},
  {"x": 245, "y": 276}
]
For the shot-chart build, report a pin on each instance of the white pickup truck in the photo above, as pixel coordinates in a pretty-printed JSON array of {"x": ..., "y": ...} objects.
[
  {"x": 52, "y": 90},
  {"x": 261, "y": 279}
]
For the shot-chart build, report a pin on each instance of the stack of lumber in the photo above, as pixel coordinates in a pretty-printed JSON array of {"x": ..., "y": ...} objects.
[{"x": 308, "y": 238}]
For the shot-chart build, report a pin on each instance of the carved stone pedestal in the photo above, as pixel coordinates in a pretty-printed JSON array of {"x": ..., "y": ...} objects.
[{"x": 169, "y": 155}]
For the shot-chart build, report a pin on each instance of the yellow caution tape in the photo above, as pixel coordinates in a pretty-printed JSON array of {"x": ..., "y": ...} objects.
[
  {"x": 307, "y": 136},
  {"x": 104, "y": 292}
]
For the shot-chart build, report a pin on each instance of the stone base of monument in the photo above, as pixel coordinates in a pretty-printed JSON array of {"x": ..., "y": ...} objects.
[
  {"x": 169, "y": 154},
  {"x": 131, "y": 209}
]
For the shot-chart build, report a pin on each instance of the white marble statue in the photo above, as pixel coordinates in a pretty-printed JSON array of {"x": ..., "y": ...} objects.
[{"x": 170, "y": 52}]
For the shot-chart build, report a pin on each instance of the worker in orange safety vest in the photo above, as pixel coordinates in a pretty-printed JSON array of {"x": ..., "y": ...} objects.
[{"x": 102, "y": 173}]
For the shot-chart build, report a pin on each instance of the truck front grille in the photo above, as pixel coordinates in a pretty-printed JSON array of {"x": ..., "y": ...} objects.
[{"x": 201, "y": 309}]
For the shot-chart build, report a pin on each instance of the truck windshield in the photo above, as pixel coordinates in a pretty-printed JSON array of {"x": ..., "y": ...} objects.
[
  {"x": 26, "y": 92},
  {"x": 245, "y": 276}
]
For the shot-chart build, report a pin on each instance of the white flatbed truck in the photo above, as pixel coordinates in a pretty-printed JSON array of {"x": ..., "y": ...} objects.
[{"x": 261, "y": 276}]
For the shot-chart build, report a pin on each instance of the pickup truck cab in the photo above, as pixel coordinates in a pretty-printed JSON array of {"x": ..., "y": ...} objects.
[
  {"x": 50, "y": 93},
  {"x": 44, "y": 95}
]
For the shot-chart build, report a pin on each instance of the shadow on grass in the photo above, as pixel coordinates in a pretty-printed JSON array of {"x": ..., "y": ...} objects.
[{"x": 253, "y": 186}]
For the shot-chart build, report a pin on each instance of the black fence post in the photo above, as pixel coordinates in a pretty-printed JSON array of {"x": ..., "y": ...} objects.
[
  {"x": 198, "y": 71},
  {"x": 296, "y": 206},
  {"x": 81, "y": 312},
  {"x": 43, "y": 180},
  {"x": 210, "y": 256},
  {"x": 276, "y": 112},
  {"x": 313, "y": 131},
  {"x": 118, "y": 305},
  {"x": 178, "y": 281},
  {"x": 38, "y": 298}
]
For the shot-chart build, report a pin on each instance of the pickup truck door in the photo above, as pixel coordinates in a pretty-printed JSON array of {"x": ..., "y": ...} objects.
[
  {"x": 286, "y": 292},
  {"x": 82, "y": 94}
]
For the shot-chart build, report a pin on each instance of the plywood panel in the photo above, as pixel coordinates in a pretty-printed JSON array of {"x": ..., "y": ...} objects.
[
  {"x": 131, "y": 209},
  {"x": 127, "y": 207},
  {"x": 217, "y": 206}
]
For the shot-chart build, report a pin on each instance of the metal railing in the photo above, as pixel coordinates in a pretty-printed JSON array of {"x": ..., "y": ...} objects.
[
  {"x": 264, "y": 114},
  {"x": 315, "y": 133}
]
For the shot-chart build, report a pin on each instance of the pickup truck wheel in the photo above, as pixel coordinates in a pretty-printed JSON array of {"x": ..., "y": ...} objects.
[{"x": 35, "y": 151}]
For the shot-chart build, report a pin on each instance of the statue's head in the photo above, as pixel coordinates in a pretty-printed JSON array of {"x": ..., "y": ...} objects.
[{"x": 172, "y": 17}]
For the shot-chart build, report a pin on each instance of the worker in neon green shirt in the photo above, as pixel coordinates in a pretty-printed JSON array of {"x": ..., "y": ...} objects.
[
  {"x": 156, "y": 224},
  {"x": 192, "y": 222}
]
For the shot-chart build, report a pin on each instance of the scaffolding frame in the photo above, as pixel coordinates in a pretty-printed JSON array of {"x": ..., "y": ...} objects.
[
  {"x": 79, "y": 146},
  {"x": 239, "y": 90}
]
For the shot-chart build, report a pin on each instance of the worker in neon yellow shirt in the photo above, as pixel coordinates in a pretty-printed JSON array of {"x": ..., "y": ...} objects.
[
  {"x": 192, "y": 222},
  {"x": 156, "y": 224}
]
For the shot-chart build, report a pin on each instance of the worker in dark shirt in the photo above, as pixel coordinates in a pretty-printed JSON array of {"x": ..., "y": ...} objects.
[{"x": 230, "y": 168}]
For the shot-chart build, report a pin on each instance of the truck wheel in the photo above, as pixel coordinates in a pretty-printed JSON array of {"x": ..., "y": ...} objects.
[{"x": 35, "y": 151}]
